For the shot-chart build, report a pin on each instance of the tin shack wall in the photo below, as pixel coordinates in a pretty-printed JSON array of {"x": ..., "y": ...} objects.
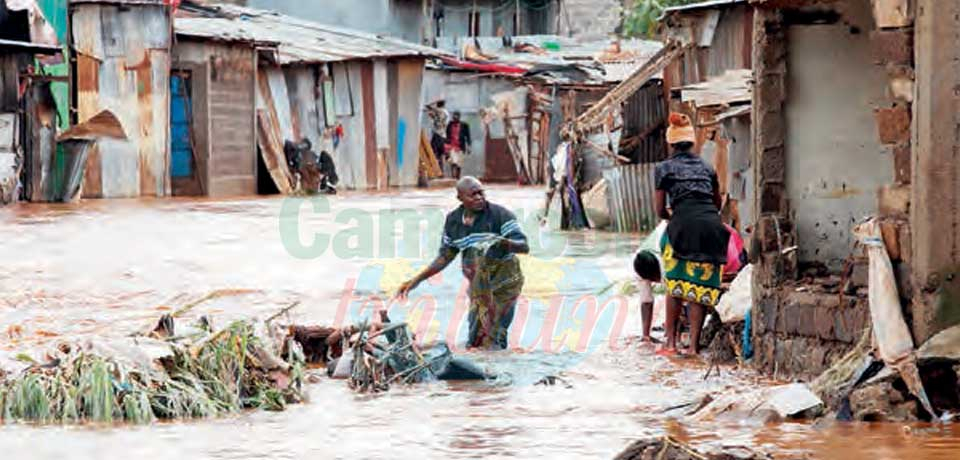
[
  {"x": 405, "y": 165},
  {"x": 730, "y": 44},
  {"x": 123, "y": 64},
  {"x": 223, "y": 100}
]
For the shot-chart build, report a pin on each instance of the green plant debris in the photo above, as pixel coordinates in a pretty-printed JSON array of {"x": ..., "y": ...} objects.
[{"x": 216, "y": 375}]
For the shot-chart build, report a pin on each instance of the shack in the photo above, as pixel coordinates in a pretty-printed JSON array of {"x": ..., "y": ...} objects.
[
  {"x": 354, "y": 95},
  {"x": 21, "y": 149},
  {"x": 213, "y": 117},
  {"x": 122, "y": 52}
]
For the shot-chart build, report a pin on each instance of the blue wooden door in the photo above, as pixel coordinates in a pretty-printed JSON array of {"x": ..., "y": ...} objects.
[{"x": 181, "y": 150}]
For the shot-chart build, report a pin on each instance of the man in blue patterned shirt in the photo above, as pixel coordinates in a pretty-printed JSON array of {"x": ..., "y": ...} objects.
[{"x": 489, "y": 237}]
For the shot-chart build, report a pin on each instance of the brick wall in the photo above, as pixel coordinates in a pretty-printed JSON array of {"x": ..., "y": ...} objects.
[
  {"x": 801, "y": 323},
  {"x": 800, "y": 334}
]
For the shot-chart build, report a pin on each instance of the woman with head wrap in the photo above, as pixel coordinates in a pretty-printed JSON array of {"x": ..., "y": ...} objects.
[{"x": 694, "y": 245}]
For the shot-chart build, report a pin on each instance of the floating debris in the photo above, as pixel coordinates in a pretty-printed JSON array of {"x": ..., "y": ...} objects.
[
  {"x": 669, "y": 448},
  {"x": 142, "y": 380}
]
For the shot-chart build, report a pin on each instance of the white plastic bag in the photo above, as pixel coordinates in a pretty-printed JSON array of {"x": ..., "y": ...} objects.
[
  {"x": 595, "y": 205},
  {"x": 735, "y": 303}
]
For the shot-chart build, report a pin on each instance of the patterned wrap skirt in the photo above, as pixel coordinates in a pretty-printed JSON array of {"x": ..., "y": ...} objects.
[
  {"x": 494, "y": 291},
  {"x": 688, "y": 280}
]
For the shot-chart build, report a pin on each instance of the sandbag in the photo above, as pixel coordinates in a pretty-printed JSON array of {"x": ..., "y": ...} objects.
[{"x": 890, "y": 330}]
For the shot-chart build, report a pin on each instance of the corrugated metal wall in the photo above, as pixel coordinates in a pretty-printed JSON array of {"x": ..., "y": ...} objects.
[
  {"x": 123, "y": 65},
  {"x": 350, "y": 155},
  {"x": 630, "y": 196},
  {"x": 731, "y": 48},
  {"x": 645, "y": 118},
  {"x": 409, "y": 85}
]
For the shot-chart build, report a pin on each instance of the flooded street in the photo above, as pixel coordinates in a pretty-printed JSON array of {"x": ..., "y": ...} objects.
[{"x": 112, "y": 268}]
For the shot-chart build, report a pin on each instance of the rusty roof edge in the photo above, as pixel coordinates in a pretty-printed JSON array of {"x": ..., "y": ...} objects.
[
  {"x": 198, "y": 36},
  {"x": 272, "y": 27},
  {"x": 119, "y": 2},
  {"x": 700, "y": 6},
  {"x": 266, "y": 17}
]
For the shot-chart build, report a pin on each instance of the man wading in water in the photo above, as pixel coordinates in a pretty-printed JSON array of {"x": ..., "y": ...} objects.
[{"x": 489, "y": 236}]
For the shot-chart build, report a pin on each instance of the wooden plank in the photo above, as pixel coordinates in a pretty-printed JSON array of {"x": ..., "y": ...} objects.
[
  {"x": 270, "y": 138},
  {"x": 595, "y": 116},
  {"x": 370, "y": 126}
]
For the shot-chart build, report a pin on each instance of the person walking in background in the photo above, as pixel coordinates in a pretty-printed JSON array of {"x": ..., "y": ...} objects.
[
  {"x": 458, "y": 144},
  {"x": 694, "y": 246},
  {"x": 439, "y": 118}
]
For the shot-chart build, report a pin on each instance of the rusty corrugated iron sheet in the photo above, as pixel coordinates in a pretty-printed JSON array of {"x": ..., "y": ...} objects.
[
  {"x": 123, "y": 65},
  {"x": 298, "y": 40},
  {"x": 630, "y": 195},
  {"x": 723, "y": 33},
  {"x": 645, "y": 124}
]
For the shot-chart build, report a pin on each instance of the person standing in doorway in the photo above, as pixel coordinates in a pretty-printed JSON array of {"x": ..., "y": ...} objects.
[
  {"x": 694, "y": 246},
  {"x": 488, "y": 236},
  {"x": 458, "y": 144},
  {"x": 440, "y": 117}
]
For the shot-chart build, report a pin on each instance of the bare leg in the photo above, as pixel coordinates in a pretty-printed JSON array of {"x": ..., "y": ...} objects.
[
  {"x": 646, "y": 316},
  {"x": 673, "y": 315},
  {"x": 697, "y": 314}
]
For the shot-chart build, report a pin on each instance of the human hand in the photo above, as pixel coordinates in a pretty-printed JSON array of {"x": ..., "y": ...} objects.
[{"x": 406, "y": 287}]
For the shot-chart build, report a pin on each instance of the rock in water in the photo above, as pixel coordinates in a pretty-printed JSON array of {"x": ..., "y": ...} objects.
[{"x": 667, "y": 448}]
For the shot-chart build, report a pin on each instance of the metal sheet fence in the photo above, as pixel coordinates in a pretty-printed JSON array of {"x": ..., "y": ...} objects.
[{"x": 630, "y": 195}]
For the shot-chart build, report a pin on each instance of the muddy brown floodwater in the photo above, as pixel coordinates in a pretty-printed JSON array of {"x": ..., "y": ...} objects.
[{"x": 107, "y": 268}]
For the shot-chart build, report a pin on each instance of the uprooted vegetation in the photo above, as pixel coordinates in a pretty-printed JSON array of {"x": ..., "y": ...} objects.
[{"x": 140, "y": 380}]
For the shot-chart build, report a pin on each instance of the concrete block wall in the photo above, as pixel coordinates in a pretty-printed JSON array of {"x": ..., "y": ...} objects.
[
  {"x": 591, "y": 19},
  {"x": 934, "y": 169}
]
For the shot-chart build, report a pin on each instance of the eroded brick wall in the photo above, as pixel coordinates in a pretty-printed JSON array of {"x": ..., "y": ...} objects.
[{"x": 804, "y": 321}]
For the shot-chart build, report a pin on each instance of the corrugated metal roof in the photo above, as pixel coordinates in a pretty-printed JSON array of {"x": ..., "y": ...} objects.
[
  {"x": 298, "y": 40},
  {"x": 701, "y": 5},
  {"x": 734, "y": 86},
  {"x": 28, "y": 47},
  {"x": 564, "y": 51}
]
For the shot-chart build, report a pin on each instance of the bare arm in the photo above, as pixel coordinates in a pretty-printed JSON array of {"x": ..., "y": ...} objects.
[
  {"x": 661, "y": 202},
  {"x": 437, "y": 266}
]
